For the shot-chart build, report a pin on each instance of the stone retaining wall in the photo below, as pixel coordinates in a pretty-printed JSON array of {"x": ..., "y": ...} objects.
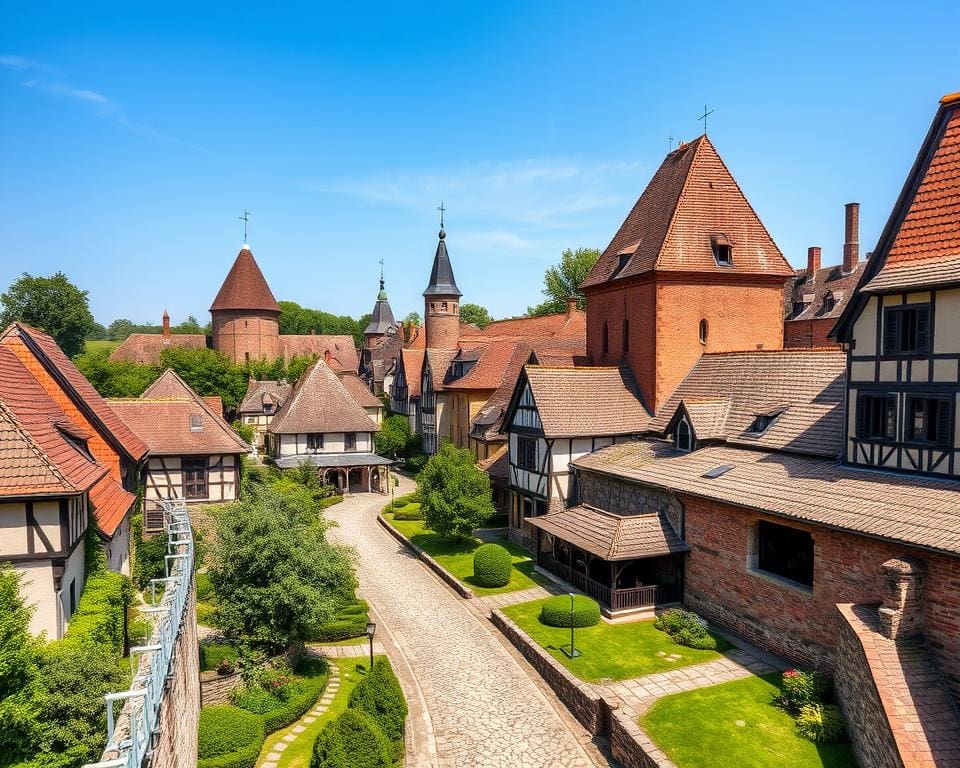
[
  {"x": 215, "y": 688},
  {"x": 433, "y": 565},
  {"x": 630, "y": 746}
]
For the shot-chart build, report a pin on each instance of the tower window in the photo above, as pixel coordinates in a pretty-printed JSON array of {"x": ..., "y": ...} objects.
[
  {"x": 703, "y": 331},
  {"x": 722, "y": 250},
  {"x": 443, "y": 306},
  {"x": 605, "y": 339}
]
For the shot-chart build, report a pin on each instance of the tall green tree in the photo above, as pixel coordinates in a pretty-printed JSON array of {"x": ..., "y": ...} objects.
[
  {"x": 475, "y": 315},
  {"x": 563, "y": 280},
  {"x": 455, "y": 493},
  {"x": 54, "y": 305},
  {"x": 18, "y": 672},
  {"x": 394, "y": 437},
  {"x": 413, "y": 317}
]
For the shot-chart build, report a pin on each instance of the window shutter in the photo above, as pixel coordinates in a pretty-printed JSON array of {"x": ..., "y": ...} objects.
[
  {"x": 891, "y": 331},
  {"x": 944, "y": 411},
  {"x": 863, "y": 416},
  {"x": 891, "y": 414},
  {"x": 923, "y": 330}
]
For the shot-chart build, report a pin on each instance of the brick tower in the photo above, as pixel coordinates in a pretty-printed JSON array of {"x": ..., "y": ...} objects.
[
  {"x": 246, "y": 316},
  {"x": 441, "y": 302}
]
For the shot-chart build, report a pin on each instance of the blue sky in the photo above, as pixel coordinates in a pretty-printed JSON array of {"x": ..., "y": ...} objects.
[{"x": 131, "y": 139}]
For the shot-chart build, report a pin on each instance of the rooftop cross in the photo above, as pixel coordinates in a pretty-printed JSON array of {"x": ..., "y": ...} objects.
[
  {"x": 704, "y": 118},
  {"x": 441, "y": 209},
  {"x": 670, "y": 143},
  {"x": 245, "y": 218},
  {"x": 381, "y": 274}
]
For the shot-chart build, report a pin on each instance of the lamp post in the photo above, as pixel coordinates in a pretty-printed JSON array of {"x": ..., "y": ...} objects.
[
  {"x": 574, "y": 653},
  {"x": 371, "y": 631}
]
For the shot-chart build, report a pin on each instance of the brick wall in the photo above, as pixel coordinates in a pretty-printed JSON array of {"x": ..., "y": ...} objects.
[
  {"x": 798, "y": 623},
  {"x": 808, "y": 334},
  {"x": 238, "y": 333}
]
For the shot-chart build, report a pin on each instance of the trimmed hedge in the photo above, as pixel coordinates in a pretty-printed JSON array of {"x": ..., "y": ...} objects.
[
  {"x": 211, "y": 654},
  {"x": 296, "y": 706},
  {"x": 556, "y": 611},
  {"x": 330, "y": 501},
  {"x": 407, "y": 498},
  {"x": 492, "y": 565},
  {"x": 226, "y": 730},
  {"x": 349, "y": 622},
  {"x": 379, "y": 695},
  {"x": 353, "y": 740}
]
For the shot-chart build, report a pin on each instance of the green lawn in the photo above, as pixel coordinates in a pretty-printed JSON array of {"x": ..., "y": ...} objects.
[
  {"x": 98, "y": 346},
  {"x": 211, "y": 654},
  {"x": 298, "y": 754},
  {"x": 614, "y": 651},
  {"x": 457, "y": 557},
  {"x": 736, "y": 724}
]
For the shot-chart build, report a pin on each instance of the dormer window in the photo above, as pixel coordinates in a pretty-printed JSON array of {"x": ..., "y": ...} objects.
[
  {"x": 829, "y": 302},
  {"x": 684, "y": 436},
  {"x": 763, "y": 421},
  {"x": 196, "y": 422},
  {"x": 722, "y": 250},
  {"x": 798, "y": 308}
]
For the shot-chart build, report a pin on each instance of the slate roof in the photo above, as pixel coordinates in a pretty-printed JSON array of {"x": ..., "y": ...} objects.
[
  {"x": 909, "y": 509},
  {"x": 321, "y": 403},
  {"x": 442, "y": 281},
  {"x": 348, "y": 459},
  {"x": 691, "y": 198},
  {"x": 260, "y": 392},
  {"x": 609, "y": 536},
  {"x": 245, "y": 287},
  {"x": 580, "y": 402},
  {"x": 381, "y": 320},
  {"x": 807, "y": 384},
  {"x": 342, "y": 348},
  {"x": 146, "y": 347},
  {"x": 828, "y": 281}
]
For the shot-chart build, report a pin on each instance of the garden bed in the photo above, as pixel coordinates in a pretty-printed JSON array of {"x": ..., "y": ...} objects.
[
  {"x": 739, "y": 724},
  {"x": 609, "y": 651}
]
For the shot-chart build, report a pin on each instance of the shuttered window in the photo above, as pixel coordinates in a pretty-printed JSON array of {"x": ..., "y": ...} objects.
[
  {"x": 929, "y": 420},
  {"x": 906, "y": 330},
  {"x": 195, "y": 478},
  {"x": 877, "y": 417}
]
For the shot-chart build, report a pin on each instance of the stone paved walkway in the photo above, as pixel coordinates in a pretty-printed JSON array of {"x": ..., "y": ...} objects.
[
  {"x": 347, "y": 651},
  {"x": 275, "y": 753},
  {"x": 471, "y": 702}
]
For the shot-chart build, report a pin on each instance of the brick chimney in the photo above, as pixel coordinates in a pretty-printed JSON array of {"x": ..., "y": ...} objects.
[
  {"x": 813, "y": 261},
  {"x": 851, "y": 237},
  {"x": 571, "y": 305},
  {"x": 166, "y": 323}
]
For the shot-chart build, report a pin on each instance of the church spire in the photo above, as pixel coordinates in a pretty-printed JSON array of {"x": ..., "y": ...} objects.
[
  {"x": 381, "y": 319},
  {"x": 442, "y": 282}
]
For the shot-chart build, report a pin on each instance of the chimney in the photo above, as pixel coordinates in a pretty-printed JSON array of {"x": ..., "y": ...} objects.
[
  {"x": 327, "y": 357},
  {"x": 813, "y": 261},
  {"x": 851, "y": 237},
  {"x": 166, "y": 323},
  {"x": 571, "y": 305}
]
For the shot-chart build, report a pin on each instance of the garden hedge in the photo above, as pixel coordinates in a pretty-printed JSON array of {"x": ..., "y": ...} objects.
[
  {"x": 687, "y": 628},
  {"x": 379, "y": 695},
  {"x": 297, "y": 706},
  {"x": 226, "y": 730},
  {"x": 492, "y": 565},
  {"x": 556, "y": 611},
  {"x": 349, "y": 622},
  {"x": 353, "y": 740}
]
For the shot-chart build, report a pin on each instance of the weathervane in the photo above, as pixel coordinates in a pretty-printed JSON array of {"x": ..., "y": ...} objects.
[
  {"x": 704, "y": 118},
  {"x": 441, "y": 209},
  {"x": 245, "y": 218}
]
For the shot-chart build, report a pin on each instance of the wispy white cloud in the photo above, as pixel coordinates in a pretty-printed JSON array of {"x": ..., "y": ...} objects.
[{"x": 102, "y": 105}]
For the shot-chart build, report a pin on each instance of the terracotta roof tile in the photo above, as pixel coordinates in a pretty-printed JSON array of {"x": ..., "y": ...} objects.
[
  {"x": 245, "y": 287},
  {"x": 909, "y": 509},
  {"x": 412, "y": 360},
  {"x": 260, "y": 393},
  {"x": 111, "y": 503},
  {"x": 497, "y": 464},
  {"x": 342, "y": 348},
  {"x": 558, "y": 326},
  {"x": 358, "y": 390},
  {"x": 321, "y": 403},
  {"x": 489, "y": 370},
  {"x": 179, "y": 427},
  {"x": 146, "y": 347}
]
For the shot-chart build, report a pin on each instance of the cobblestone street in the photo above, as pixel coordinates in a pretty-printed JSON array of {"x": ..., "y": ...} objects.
[{"x": 479, "y": 707}]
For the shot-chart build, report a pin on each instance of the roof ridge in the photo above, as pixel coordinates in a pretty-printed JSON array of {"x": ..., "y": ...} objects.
[{"x": 697, "y": 144}]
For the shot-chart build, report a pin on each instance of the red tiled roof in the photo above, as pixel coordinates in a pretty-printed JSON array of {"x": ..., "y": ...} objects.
[
  {"x": 412, "y": 359},
  {"x": 342, "y": 349},
  {"x": 245, "y": 287},
  {"x": 214, "y": 403},
  {"x": 111, "y": 503},
  {"x": 169, "y": 384},
  {"x": 321, "y": 403},
  {"x": 360, "y": 391},
  {"x": 79, "y": 390},
  {"x": 691, "y": 199},
  {"x": 146, "y": 347},
  {"x": 489, "y": 370},
  {"x": 167, "y": 426},
  {"x": 558, "y": 326}
]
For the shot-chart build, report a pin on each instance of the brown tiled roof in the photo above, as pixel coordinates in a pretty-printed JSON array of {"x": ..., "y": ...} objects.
[
  {"x": 111, "y": 503},
  {"x": 167, "y": 426},
  {"x": 582, "y": 402},
  {"x": 245, "y": 287},
  {"x": 439, "y": 362},
  {"x": 489, "y": 370},
  {"x": 214, "y": 403},
  {"x": 412, "y": 359},
  {"x": 497, "y": 464},
  {"x": 612, "y": 537},
  {"x": 342, "y": 349},
  {"x": 827, "y": 281},
  {"x": 916, "y": 274},
  {"x": 169, "y": 384},
  {"x": 708, "y": 417},
  {"x": 691, "y": 198},
  {"x": 808, "y": 384},
  {"x": 77, "y": 388},
  {"x": 360, "y": 391},
  {"x": 558, "y": 326},
  {"x": 260, "y": 392},
  {"x": 146, "y": 347},
  {"x": 909, "y": 509},
  {"x": 321, "y": 403}
]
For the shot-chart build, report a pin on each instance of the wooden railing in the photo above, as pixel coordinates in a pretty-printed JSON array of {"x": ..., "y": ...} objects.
[{"x": 647, "y": 596}]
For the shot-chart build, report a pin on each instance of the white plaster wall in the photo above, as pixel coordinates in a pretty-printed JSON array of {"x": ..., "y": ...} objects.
[
  {"x": 13, "y": 529},
  {"x": 36, "y": 590}
]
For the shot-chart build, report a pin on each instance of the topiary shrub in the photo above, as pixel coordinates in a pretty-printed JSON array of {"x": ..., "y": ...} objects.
[
  {"x": 226, "y": 729},
  {"x": 799, "y": 689},
  {"x": 556, "y": 611},
  {"x": 353, "y": 740},
  {"x": 379, "y": 695},
  {"x": 409, "y": 511},
  {"x": 821, "y": 723},
  {"x": 492, "y": 565}
]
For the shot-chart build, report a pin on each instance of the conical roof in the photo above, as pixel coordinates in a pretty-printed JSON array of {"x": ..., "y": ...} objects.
[
  {"x": 245, "y": 287},
  {"x": 442, "y": 282},
  {"x": 381, "y": 321}
]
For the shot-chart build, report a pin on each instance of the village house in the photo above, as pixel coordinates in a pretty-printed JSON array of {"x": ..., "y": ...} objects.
[
  {"x": 192, "y": 453},
  {"x": 66, "y": 462},
  {"x": 260, "y": 404}
]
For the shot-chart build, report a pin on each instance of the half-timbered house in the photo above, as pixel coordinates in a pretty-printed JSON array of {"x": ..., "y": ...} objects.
[{"x": 260, "y": 404}]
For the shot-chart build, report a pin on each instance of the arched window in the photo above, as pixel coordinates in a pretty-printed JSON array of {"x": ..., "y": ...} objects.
[
  {"x": 626, "y": 335},
  {"x": 703, "y": 331},
  {"x": 605, "y": 339},
  {"x": 684, "y": 436}
]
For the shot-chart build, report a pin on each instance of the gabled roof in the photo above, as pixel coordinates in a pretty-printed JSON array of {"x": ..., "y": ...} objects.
[
  {"x": 260, "y": 393},
  {"x": 583, "y": 402},
  {"x": 358, "y": 390},
  {"x": 342, "y": 348},
  {"x": 805, "y": 385},
  {"x": 77, "y": 388},
  {"x": 146, "y": 347},
  {"x": 691, "y": 200},
  {"x": 920, "y": 243},
  {"x": 442, "y": 281},
  {"x": 321, "y": 403},
  {"x": 169, "y": 384},
  {"x": 412, "y": 361},
  {"x": 438, "y": 362},
  {"x": 381, "y": 320},
  {"x": 707, "y": 417},
  {"x": 489, "y": 369},
  {"x": 245, "y": 287},
  {"x": 813, "y": 293}
]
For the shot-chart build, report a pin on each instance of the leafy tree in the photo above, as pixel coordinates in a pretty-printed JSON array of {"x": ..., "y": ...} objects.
[
  {"x": 122, "y": 378},
  {"x": 53, "y": 304},
  {"x": 276, "y": 576},
  {"x": 208, "y": 372},
  {"x": 120, "y": 328},
  {"x": 190, "y": 325},
  {"x": 394, "y": 437},
  {"x": 563, "y": 280},
  {"x": 247, "y": 432},
  {"x": 413, "y": 317},
  {"x": 455, "y": 493},
  {"x": 18, "y": 671},
  {"x": 98, "y": 333},
  {"x": 475, "y": 315}
]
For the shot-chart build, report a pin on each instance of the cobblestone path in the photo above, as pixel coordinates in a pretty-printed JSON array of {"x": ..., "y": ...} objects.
[{"x": 481, "y": 707}]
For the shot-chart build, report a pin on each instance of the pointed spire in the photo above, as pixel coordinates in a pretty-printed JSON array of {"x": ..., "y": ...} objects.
[
  {"x": 381, "y": 319},
  {"x": 245, "y": 287},
  {"x": 442, "y": 282}
]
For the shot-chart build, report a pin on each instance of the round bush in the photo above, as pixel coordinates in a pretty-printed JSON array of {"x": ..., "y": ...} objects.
[
  {"x": 556, "y": 611},
  {"x": 353, "y": 740},
  {"x": 821, "y": 723},
  {"x": 226, "y": 729},
  {"x": 492, "y": 565}
]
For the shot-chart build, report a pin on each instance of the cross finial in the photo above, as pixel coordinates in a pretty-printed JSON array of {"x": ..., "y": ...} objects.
[
  {"x": 704, "y": 118},
  {"x": 670, "y": 143},
  {"x": 381, "y": 274},
  {"x": 245, "y": 218},
  {"x": 441, "y": 209}
]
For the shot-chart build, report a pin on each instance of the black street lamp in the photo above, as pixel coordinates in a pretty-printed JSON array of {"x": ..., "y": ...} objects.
[
  {"x": 574, "y": 653},
  {"x": 371, "y": 631}
]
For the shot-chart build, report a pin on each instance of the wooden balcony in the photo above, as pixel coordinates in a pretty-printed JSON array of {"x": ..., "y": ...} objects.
[{"x": 613, "y": 598}]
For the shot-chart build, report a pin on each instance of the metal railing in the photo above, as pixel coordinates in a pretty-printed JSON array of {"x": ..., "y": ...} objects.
[{"x": 131, "y": 737}]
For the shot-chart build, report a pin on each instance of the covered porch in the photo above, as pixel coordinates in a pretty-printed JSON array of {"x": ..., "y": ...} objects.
[
  {"x": 348, "y": 472},
  {"x": 625, "y": 563}
]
